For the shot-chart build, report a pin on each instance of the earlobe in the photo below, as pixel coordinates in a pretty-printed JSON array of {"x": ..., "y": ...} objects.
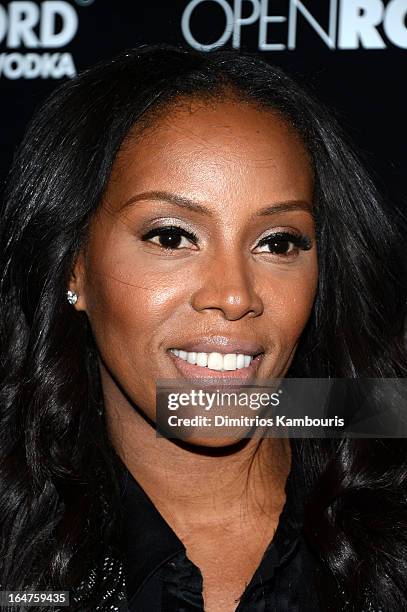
[
  {"x": 72, "y": 297},
  {"x": 75, "y": 293}
]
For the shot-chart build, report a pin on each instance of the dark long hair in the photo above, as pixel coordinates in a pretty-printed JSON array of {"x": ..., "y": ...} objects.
[{"x": 59, "y": 498}]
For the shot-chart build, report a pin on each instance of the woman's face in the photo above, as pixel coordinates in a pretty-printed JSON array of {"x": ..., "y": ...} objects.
[{"x": 237, "y": 275}]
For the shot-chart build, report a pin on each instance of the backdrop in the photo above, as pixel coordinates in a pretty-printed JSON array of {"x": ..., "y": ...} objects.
[{"x": 352, "y": 53}]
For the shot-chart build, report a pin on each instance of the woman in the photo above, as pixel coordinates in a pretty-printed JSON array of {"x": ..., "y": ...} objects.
[{"x": 165, "y": 207}]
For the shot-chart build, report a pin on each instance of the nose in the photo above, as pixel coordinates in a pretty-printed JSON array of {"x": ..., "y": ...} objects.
[{"x": 228, "y": 286}]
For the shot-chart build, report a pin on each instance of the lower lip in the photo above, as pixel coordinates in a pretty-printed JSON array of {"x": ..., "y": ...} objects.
[{"x": 188, "y": 370}]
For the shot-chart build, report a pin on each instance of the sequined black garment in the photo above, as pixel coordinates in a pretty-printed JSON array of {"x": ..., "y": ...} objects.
[{"x": 155, "y": 574}]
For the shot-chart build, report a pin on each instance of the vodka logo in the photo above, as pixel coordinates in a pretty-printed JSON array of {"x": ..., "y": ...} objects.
[{"x": 36, "y": 27}]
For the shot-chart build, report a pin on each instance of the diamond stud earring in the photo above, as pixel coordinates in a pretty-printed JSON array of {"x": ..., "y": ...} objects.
[{"x": 72, "y": 297}]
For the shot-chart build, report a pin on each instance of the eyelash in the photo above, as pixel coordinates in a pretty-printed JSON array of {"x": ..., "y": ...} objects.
[{"x": 300, "y": 242}]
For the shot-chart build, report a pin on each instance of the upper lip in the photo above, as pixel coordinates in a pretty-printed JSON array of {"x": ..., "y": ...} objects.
[{"x": 220, "y": 344}]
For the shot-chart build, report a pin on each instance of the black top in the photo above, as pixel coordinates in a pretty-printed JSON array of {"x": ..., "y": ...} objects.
[{"x": 161, "y": 578}]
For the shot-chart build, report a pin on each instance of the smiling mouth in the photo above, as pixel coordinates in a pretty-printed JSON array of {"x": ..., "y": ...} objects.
[
  {"x": 215, "y": 361},
  {"x": 214, "y": 364}
]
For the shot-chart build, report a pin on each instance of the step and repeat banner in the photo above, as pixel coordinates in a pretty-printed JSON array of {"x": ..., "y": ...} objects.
[{"x": 351, "y": 53}]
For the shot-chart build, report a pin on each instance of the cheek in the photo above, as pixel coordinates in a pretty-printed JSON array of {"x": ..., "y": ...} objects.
[
  {"x": 127, "y": 300},
  {"x": 127, "y": 319},
  {"x": 289, "y": 298},
  {"x": 126, "y": 315}
]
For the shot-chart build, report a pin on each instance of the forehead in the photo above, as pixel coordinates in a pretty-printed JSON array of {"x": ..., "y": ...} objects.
[{"x": 212, "y": 150}]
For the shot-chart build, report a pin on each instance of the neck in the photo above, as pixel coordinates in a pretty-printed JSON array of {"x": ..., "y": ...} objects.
[{"x": 193, "y": 486}]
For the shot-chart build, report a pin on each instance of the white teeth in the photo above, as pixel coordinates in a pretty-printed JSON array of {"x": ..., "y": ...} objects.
[
  {"x": 240, "y": 362},
  {"x": 229, "y": 361},
  {"x": 202, "y": 359},
  {"x": 215, "y": 361},
  {"x": 191, "y": 358}
]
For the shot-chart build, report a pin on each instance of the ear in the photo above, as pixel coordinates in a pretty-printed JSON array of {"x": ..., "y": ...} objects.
[{"x": 77, "y": 281}]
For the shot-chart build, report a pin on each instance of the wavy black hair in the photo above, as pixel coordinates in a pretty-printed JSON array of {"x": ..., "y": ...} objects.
[{"x": 59, "y": 497}]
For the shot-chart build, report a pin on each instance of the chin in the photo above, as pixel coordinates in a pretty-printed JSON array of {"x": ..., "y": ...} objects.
[{"x": 204, "y": 444}]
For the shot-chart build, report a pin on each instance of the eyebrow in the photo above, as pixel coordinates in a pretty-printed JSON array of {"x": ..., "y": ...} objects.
[{"x": 183, "y": 202}]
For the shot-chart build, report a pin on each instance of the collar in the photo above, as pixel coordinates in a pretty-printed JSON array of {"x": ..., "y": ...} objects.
[{"x": 149, "y": 542}]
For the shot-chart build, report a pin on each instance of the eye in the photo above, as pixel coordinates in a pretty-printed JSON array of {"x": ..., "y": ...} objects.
[
  {"x": 284, "y": 244},
  {"x": 170, "y": 237}
]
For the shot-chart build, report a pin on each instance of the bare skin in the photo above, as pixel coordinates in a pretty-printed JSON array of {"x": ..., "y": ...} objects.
[{"x": 143, "y": 299}]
